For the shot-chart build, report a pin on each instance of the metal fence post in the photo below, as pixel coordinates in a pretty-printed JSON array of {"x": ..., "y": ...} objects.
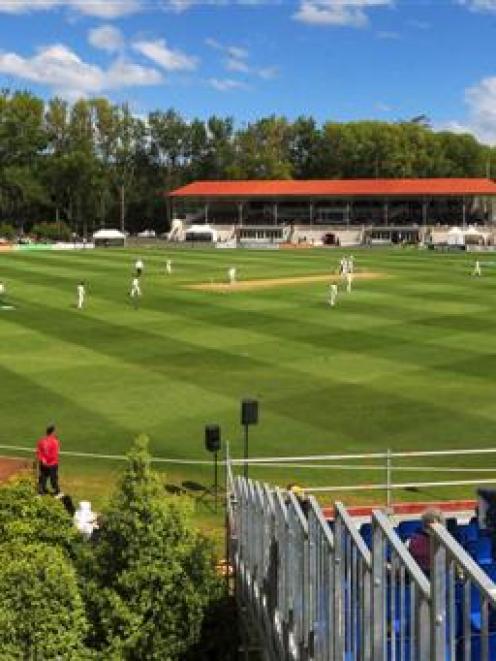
[
  {"x": 438, "y": 599},
  {"x": 338, "y": 629},
  {"x": 378, "y": 619},
  {"x": 389, "y": 470}
]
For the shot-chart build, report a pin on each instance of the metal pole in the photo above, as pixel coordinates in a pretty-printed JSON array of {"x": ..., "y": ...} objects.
[
  {"x": 245, "y": 470},
  {"x": 388, "y": 479}
]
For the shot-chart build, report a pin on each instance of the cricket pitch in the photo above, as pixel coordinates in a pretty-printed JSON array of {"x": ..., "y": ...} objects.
[{"x": 250, "y": 285}]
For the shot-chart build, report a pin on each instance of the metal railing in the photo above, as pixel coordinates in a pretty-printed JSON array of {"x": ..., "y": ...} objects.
[
  {"x": 387, "y": 465},
  {"x": 316, "y": 592}
]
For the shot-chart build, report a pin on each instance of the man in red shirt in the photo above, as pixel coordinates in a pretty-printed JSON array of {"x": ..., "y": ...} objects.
[{"x": 47, "y": 453}]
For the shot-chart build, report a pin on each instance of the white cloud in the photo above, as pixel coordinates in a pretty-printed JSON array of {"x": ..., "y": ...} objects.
[
  {"x": 350, "y": 13},
  {"x": 226, "y": 84},
  {"x": 237, "y": 52},
  {"x": 165, "y": 57},
  {"x": 21, "y": 6},
  {"x": 479, "y": 5},
  {"x": 102, "y": 8},
  {"x": 232, "y": 64},
  {"x": 382, "y": 107},
  {"x": 66, "y": 74},
  {"x": 419, "y": 25},
  {"x": 213, "y": 43},
  {"x": 236, "y": 60},
  {"x": 386, "y": 34},
  {"x": 481, "y": 101},
  {"x": 268, "y": 73},
  {"x": 107, "y": 38},
  {"x": 178, "y": 6}
]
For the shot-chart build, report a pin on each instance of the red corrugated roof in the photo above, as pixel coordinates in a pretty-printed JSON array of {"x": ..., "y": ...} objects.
[{"x": 337, "y": 187}]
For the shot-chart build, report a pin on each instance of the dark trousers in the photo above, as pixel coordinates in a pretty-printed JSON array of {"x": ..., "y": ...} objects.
[{"x": 48, "y": 473}]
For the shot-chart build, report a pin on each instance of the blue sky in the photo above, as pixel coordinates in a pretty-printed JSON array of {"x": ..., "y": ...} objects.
[{"x": 332, "y": 59}]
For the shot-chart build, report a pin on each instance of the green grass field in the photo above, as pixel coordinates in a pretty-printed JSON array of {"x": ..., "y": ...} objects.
[{"x": 404, "y": 362}]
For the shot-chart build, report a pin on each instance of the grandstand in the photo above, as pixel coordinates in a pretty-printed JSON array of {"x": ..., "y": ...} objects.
[
  {"x": 319, "y": 585},
  {"x": 336, "y": 212}
]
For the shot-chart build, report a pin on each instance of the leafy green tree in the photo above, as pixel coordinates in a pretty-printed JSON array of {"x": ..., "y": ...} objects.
[
  {"x": 52, "y": 231},
  {"x": 7, "y": 231},
  {"x": 25, "y": 518},
  {"x": 41, "y": 610},
  {"x": 150, "y": 577},
  {"x": 262, "y": 150}
]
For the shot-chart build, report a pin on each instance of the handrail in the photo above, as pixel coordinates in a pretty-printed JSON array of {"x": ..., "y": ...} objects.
[
  {"x": 366, "y": 455},
  {"x": 354, "y": 534},
  {"x": 413, "y": 569}
]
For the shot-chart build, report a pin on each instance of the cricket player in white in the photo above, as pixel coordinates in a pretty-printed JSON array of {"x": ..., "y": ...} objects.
[
  {"x": 2, "y": 289},
  {"x": 332, "y": 294},
  {"x": 231, "y": 274},
  {"x": 349, "y": 281},
  {"x": 168, "y": 266},
  {"x": 81, "y": 294},
  {"x": 139, "y": 266},
  {"x": 135, "y": 288},
  {"x": 477, "y": 268},
  {"x": 351, "y": 264}
]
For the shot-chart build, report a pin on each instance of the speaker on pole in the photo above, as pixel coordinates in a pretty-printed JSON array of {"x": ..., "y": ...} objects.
[
  {"x": 212, "y": 444},
  {"x": 212, "y": 438},
  {"x": 249, "y": 416},
  {"x": 249, "y": 412}
]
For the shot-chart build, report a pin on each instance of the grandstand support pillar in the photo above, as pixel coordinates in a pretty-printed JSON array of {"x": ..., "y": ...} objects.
[
  {"x": 425, "y": 204},
  {"x": 206, "y": 213},
  {"x": 310, "y": 211},
  {"x": 240, "y": 213},
  {"x": 275, "y": 213},
  {"x": 386, "y": 212},
  {"x": 464, "y": 212},
  {"x": 348, "y": 212}
]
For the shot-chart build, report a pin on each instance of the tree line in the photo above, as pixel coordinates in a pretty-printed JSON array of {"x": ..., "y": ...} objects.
[{"x": 94, "y": 163}]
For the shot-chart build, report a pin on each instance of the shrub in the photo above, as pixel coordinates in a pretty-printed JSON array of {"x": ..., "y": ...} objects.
[
  {"x": 153, "y": 575},
  {"x": 41, "y": 610}
]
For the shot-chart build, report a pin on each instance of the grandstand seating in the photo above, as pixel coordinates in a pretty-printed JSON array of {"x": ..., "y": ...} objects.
[{"x": 338, "y": 597}]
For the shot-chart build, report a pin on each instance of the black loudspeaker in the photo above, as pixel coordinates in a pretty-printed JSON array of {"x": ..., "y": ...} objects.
[
  {"x": 249, "y": 412},
  {"x": 212, "y": 438}
]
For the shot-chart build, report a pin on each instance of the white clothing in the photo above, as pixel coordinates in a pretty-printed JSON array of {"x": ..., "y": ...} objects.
[
  {"x": 477, "y": 268},
  {"x": 81, "y": 293},
  {"x": 349, "y": 280},
  {"x": 2, "y": 288},
  {"x": 85, "y": 519},
  {"x": 168, "y": 266},
  {"x": 332, "y": 295},
  {"x": 231, "y": 274},
  {"x": 139, "y": 266},
  {"x": 343, "y": 266},
  {"x": 135, "y": 288},
  {"x": 351, "y": 265}
]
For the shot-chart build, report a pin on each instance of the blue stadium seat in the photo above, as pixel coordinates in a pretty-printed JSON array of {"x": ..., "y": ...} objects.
[
  {"x": 468, "y": 533},
  {"x": 366, "y": 533},
  {"x": 407, "y": 528},
  {"x": 481, "y": 550}
]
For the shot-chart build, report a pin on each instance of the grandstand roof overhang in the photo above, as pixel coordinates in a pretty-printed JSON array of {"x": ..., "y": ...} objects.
[{"x": 245, "y": 189}]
